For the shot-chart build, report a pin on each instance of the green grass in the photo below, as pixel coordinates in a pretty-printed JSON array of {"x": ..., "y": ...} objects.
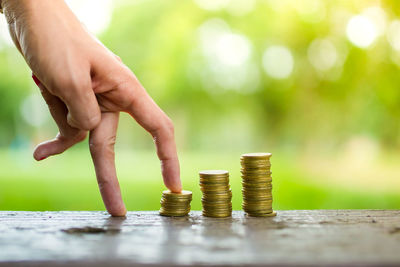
[{"x": 67, "y": 182}]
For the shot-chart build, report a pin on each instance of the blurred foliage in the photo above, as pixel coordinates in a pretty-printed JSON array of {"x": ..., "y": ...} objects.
[
  {"x": 69, "y": 183},
  {"x": 161, "y": 42},
  {"x": 222, "y": 99}
]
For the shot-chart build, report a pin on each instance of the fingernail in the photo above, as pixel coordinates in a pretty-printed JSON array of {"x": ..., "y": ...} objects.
[{"x": 35, "y": 79}]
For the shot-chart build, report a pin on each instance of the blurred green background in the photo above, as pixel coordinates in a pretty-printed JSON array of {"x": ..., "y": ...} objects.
[{"x": 316, "y": 83}]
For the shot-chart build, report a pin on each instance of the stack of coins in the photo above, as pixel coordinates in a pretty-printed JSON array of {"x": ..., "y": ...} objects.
[
  {"x": 217, "y": 194},
  {"x": 257, "y": 184},
  {"x": 175, "y": 204}
]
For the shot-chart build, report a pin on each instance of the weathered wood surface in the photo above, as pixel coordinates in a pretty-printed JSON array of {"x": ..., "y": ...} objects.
[{"x": 334, "y": 237}]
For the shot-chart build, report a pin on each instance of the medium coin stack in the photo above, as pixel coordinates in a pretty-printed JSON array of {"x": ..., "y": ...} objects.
[
  {"x": 257, "y": 184},
  {"x": 175, "y": 204},
  {"x": 217, "y": 194}
]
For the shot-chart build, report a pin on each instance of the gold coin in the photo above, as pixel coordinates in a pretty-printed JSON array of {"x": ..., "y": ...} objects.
[
  {"x": 207, "y": 173},
  {"x": 168, "y": 214},
  {"x": 271, "y": 214},
  {"x": 255, "y": 176},
  {"x": 174, "y": 212},
  {"x": 175, "y": 209},
  {"x": 225, "y": 206},
  {"x": 182, "y": 194},
  {"x": 258, "y": 201},
  {"x": 266, "y": 171},
  {"x": 214, "y": 182},
  {"x": 175, "y": 204},
  {"x": 217, "y": 194},
  {"x": 258, "y": 211},
  {"x": 265, "y": 175},
  {"x": 216, "y": 187},
  {"x": 256, "y": 198},
  {"x": 218, "y": 198},
  {"x": 216, "y": 179},
  {"x": 174, "y": 198},
  {"x": 255, "y": 164},
  {"x": 255, "y": 182},
  {"x": 218, "y": 215},
  {"x": 247, "y": 162},
  {"x": 216, "y": 206},
  {"x": 257, "y": 190},
  {"x": 257, "y": 155},
  {"x": 222, "y": 215},
  {"x": 246, "y": 192},
  {"x": 257, "y": 204},
  {"x": 218, "y": 210}
]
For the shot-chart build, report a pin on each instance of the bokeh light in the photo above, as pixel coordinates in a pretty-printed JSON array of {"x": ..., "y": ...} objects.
[
  {"x": 378, "y": 17},
  {"x": 322, "y": 54},
  {"x": 228, "y": 57},
  {"x": 278, "y": 62},
  {"x": 95, "y": 14},
  {"x": 393, "y": 34},
  {"x": 212, "y": 5},
  {"x": 311, "y": 10},
  {"x": 361, "y": 31},
  {"x": 5, "y": 39},
  {"x": 34, "y": 110},
  {"x": 240, "y": 7}
]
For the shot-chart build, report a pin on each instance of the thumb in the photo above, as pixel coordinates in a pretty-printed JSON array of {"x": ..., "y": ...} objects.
[
  {"x": 67, "y": 137},
  {"x": 56, "y": 146}
]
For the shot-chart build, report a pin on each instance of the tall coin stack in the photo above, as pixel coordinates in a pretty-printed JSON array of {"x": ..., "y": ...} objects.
[
  {"x": 217, "y": 194},
  {"x": 257, "y": 184},
  {"x": 175, "y": 204}
]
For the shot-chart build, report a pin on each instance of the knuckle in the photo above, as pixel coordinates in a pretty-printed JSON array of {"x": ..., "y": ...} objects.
[
  {"x": 165, "y": 130},
  {"x": 102, "y": 145},
  {"x": 92, "y": 121},
  {"x": 169, "y": 126},
  {"x": 89, "y": 123},
  {"x": 128, "y": 90}
]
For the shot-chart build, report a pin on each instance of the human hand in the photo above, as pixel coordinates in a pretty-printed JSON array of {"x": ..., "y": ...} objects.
[{"x": 85, "y": 87}]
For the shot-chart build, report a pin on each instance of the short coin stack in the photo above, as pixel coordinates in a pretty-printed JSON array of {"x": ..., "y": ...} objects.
[
  {"x": 217, "y": 194},
  {"x": 257, "y": 184},
  {"x": 175, "y": 204}
]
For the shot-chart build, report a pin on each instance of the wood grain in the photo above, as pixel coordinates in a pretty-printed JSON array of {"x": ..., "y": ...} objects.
[{"x": 298, "y": 237}]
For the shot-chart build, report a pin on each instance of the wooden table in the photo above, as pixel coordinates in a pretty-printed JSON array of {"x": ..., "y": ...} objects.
[{"x": 297, "y": 237}]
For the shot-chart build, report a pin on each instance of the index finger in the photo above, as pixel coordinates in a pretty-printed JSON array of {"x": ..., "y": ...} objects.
[{"x": 150, "y": 116}]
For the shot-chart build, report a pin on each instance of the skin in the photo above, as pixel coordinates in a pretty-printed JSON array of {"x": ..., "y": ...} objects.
[{"x": 85, "y": 87}]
